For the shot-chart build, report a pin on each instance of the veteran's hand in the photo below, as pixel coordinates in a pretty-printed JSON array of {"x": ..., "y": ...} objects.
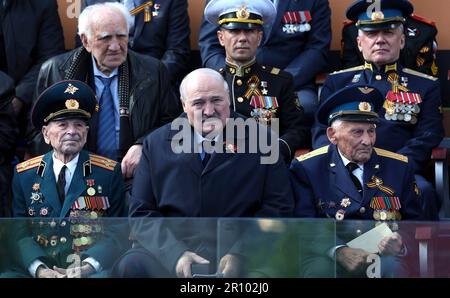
[
  {"x": 352, "y": 259},
  {"x": 183, "y": 267},
  {"x": 76, "y": 272},
  {"x": 131, "y": 160},
  {"x": 230, "y": 266},
  {"x": 391, "y": 245},
  {"x": 43, "y": 272}
]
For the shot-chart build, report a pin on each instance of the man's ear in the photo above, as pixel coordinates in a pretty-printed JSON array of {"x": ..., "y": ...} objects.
[
  {"x": 184, "y": 105},
  {"x": 44, "y": 131},
  {"x": 85, "y": 42},
  {"x": 220, "y": 37},
  {"x": 402, "y": 41},
  {"x": 358, "y": 42},
  {"x": 260, "y": 37},
  {"x": 331, "y": 134}
]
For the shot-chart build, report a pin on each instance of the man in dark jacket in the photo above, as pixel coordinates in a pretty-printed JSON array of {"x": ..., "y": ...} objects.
[
  {"x": 132, "y": 89},
  {"x": 194, "y": 167},
  {"x": 160, "y": 30}
]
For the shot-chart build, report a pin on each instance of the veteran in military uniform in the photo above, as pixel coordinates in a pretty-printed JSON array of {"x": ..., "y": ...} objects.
[
  {"x": 257, "y": 91},
  {"x": 419, "y": 52},
  {"x": 297, "y": 41},
  {"x": 411, "y": 121},
  {"x": 351, "y": 179},
  {"x": 63, "y": 193}
]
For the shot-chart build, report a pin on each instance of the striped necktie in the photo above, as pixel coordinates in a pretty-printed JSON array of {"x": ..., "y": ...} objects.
[{"x": 106, "y": 134}]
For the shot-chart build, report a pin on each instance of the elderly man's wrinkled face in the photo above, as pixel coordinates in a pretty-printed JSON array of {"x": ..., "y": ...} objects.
[
  {"x": 67, "y": 137},
  {"x": 381, "y": 47},
  {"x": 240, "y": 45},
  {"x": 355, "y": 140},
  {"x": 109, "y": 40},
  {"x": 207, "y": 105}
]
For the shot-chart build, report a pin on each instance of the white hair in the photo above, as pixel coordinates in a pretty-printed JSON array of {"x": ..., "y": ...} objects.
[
  {"x": 201, "y": 71},
  {"x": 85, "y": 18},
  {"x": 400, "y": 28}
]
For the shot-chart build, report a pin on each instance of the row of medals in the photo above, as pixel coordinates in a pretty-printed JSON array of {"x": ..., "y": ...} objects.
[
  {"x": 402, "y": 112},
  {"x": 386, "y": 215}
]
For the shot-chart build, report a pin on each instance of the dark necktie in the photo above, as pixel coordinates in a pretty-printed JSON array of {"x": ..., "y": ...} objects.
[
  {"x": 207, "y": 146},
  {"x": 61, "y": 184},
  {"x": 351, "y": 167},
  {"x": 106, "y": 135}
]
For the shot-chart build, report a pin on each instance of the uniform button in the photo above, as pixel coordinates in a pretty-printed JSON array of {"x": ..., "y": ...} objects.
[
  {"x": 240, "y": 99},
  {"x": 358, "y": 232},
  {"x": 63, "y": 223},
  {"x": 53, "y": 224},
  {"x": 362, "y": 210},
  {"x": 63, "y": 240},
  {"x": 378, "y": 77},
  {"x": 239, "y": 82}
]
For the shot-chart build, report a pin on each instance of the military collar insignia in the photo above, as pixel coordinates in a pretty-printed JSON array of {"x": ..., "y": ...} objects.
[
  {"x": 87, "y": 170},
  {"x": 41, "y": 168},
  {"x": 240, "y": 70},
  {"x": 387, "y": 67}
]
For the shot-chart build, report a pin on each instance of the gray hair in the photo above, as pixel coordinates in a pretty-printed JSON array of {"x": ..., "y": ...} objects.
[
  {"x": 201, "y": 71},
  {"x": 400, "y": 28},
  {"x": 85, "y": 18}
]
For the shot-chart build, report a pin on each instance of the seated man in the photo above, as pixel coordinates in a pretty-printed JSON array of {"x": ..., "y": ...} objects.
[
  {"x": 297, "y": 41},
  {"x": 350, "y": 179},
  {"x": 419, "y": 52},
  {"x": 262, "y": 92},
  {"x": 197, "y": 167},
  {"x": 410, "y": 119},
  {"x": 66, "y": 190}
]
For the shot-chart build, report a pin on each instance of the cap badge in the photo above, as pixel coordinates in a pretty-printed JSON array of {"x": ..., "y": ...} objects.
[
  {"x": 242, "y": 13},
  {"x": 364, "y": 106},
  {"x": 72, "y": 104},
  {"x": 377, "y": 16},
  {"x": 71, "y": 89}
]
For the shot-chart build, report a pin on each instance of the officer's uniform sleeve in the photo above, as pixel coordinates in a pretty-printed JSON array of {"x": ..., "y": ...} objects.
[
  {"x": 8, "y": 125},
  {"x": 296, "y": 133},
  {"x": 49, "y": 43},
  {"x": 314, "y": 58},
  {"x": 211, "y": 52},
  {"x": 429, "y": 130},
  {"x": 303, "y": 191},
  {"x": 319, "y": 131},
  {"x": 350, "y": 54},
  {"x": 411, "y": 205},
  {"x": 177, "y": 42}
]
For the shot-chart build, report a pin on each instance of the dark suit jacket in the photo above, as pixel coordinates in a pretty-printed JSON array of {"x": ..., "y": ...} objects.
[
  {"x": 151, "y": 102},
  {"x": 165, "y": 37},
  {"x": 169, "y": 184},
  {"x": 303, "y": 54},
  {"x": 107, "y": 245},
  {"x": 33, "y": 33}
]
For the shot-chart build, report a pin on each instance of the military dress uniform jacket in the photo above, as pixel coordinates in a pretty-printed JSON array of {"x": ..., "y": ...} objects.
[
  {"x": 151, "y": 103},
  {"x": 419, "y": 52},
  {"x": 53, "y": 230},
  {"x": 323, "y": 188},
  {"x": 297, "y": 42},
  {"x": 32, "y": 33},
  {"x": 164, "y": 36},
  {"x": 280, "y": 102},
  {"x": 414, "y": 138},
  {"x": 169, "y": 184}
]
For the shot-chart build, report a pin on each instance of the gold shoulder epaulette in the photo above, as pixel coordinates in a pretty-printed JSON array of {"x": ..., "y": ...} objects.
[
  {"x": 360, "y": 67},
  {"x": 29, "y": 164},
  {"x": 102, "y": 162},
  {"x": 391, "y": 154},
  {"x": 320, "y": 151},
  {"x": 275, "y": 71},
  {"x": 419, "y": 74}
]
